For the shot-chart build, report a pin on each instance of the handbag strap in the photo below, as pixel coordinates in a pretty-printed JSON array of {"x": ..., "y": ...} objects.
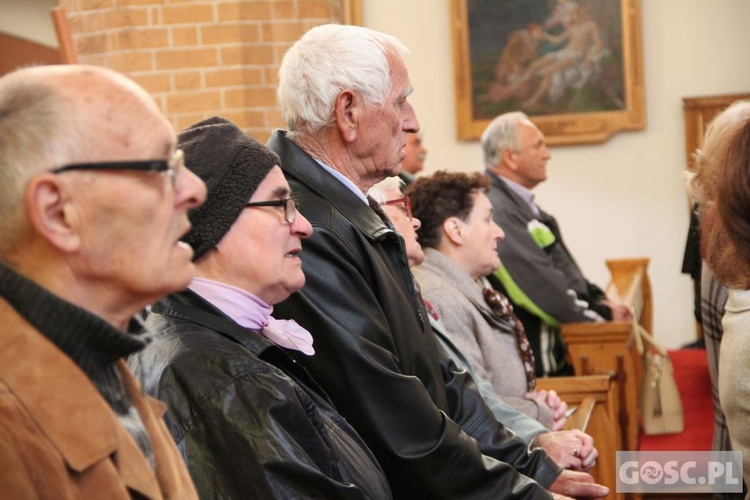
[{"x": 644, "y": 339}]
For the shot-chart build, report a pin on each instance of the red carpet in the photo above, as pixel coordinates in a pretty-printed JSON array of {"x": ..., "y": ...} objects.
[{"x": 693, "y": 382}]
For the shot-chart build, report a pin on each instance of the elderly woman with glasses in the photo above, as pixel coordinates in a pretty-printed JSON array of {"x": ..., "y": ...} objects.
[{"x": 250, "y": 422}]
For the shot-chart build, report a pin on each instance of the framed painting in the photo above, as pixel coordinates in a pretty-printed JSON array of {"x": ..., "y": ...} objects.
[
  {"x": 574, "y": 66},
  {"x": 352, "y": 12}
]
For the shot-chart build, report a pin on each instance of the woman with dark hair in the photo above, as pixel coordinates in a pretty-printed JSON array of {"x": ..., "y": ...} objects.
[
  {"x": 570, "y": 449},
  {"x": 459, "y": 239}
]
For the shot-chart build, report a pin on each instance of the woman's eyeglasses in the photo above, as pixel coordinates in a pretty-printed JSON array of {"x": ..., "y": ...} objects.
[
  {"x": 291, "y": 207},
  {"x": 403, "y": 204}
]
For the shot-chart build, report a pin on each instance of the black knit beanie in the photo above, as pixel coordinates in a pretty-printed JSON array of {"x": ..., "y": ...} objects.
[{"x": 232, "y": 165}]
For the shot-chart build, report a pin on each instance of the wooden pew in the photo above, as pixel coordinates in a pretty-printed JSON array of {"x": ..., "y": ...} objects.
[
  {"x": 18, "y": 52},
  {"x": 64, "y": 37},
  {"x": 598, "y": 407},
  {"x": 608, "y": 347}
]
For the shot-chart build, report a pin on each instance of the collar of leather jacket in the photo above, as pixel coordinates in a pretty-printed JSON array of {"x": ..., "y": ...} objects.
[{"x": 298, "y": 164}]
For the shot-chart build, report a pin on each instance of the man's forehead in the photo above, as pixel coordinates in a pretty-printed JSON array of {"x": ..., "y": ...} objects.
[
  {"x": 132, "y": 132},
  {"x": 527, "y": 124},
  {"x": 400, "y": 89},
  {"x": 399, "y": 75},
  {"x": 530, "y": 131}
]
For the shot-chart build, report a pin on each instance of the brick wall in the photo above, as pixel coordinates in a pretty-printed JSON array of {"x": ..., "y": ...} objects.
[{"x": 199, "y": 58}]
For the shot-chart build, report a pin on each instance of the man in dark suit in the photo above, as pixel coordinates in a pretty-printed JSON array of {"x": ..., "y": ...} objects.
[
  {"x": 413, "y": 162},
  {"x": 538, "y": 272}
]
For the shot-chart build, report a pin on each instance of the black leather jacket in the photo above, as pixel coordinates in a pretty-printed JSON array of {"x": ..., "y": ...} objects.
[
  {"x": 378, "y": 359},
  {"x": 246, "y": 417}
]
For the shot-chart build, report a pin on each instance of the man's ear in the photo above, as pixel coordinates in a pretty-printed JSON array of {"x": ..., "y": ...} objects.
[
  {"x": 346, "y": 111},
  {"x": 453, "y": 230},
  {"x": 51, "y": 213},
  {"x": 508, "y": 159}
]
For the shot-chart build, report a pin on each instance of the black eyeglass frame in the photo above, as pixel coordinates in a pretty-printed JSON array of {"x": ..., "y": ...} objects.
[
  {"x": 149, "y": 165},
  {"x": 170, "y": 166},
  {"x": 289, "y": 215},
  {"x": 406, "y": 205}
]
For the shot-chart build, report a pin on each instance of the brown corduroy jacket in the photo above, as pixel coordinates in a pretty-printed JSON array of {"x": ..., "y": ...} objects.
[{"x": 60, "y": 439}]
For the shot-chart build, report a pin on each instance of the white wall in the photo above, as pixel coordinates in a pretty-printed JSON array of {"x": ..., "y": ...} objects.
[
  {"x": 29, "y": 19},
  {"x": 624, "y": 198}
]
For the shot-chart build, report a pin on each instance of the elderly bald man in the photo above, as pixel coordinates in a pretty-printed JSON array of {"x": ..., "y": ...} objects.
[{"x": 94, "y": 200}]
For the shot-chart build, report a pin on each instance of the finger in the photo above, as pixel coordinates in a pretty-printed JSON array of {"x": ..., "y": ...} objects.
[
  {"x": 588, "y": 452},
  {"x": 552, "y": 398},
  {"x": 590, "y": 490},
  {"x": 574, "y": 463},
  {"x": 558, "y": 423},
  {"x": 575, "y": 459},
  {"x": 587, "y": 444},
  {"x": 559, "y": 413},
  {"x": 566, "y": 460},
  {"x": 578, "y": 434},
  {"x": 569, "y": 482},
  {"x": 586, "y": 468},
  {"x": 582, "y": 485},
  {"x": 590, "y": 459},
  {"x": 585, "y": 439}
]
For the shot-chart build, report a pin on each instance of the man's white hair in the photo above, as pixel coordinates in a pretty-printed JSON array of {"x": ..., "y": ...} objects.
[
  {"x": 502, "y": 133},
  {"x": 327, "y": 60}
]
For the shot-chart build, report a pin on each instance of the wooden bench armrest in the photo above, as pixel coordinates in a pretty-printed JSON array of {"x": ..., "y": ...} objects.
[
  {"x": 576, "y": 388},
  {"x": 585, "y": 392},
  {"x": 582, "y": 416},
  {"x": 609, "y": 331}
]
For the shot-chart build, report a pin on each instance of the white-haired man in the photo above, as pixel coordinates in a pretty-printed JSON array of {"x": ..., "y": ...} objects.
[
  {"x": 538, "y": 273},
  {"x": 344, "y": 94}
]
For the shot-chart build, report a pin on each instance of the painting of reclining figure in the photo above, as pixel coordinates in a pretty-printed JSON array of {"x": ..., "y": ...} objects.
[
  {"x": 574, "y": 66},
  {"x": 546, "y": 56}
]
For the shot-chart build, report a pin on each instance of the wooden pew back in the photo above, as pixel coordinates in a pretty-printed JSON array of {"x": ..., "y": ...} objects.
[
  {"x": 598, "y": 408},
  {"x": 609, "y": 347}
]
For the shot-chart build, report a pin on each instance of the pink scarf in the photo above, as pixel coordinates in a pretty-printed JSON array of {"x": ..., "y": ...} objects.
[{"x": 249, "y": 311}]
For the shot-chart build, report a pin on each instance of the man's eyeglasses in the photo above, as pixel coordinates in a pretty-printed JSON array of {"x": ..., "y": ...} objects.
[
  {"x": 403, "y": 204},
  {"x": 291, "y": 207},
  {"x": 172, "y": 166}
]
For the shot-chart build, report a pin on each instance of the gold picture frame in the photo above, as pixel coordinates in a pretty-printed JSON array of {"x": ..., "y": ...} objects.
[
  {"x": 574, "y": 66},
  {"x": 352, "y": 12}
]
